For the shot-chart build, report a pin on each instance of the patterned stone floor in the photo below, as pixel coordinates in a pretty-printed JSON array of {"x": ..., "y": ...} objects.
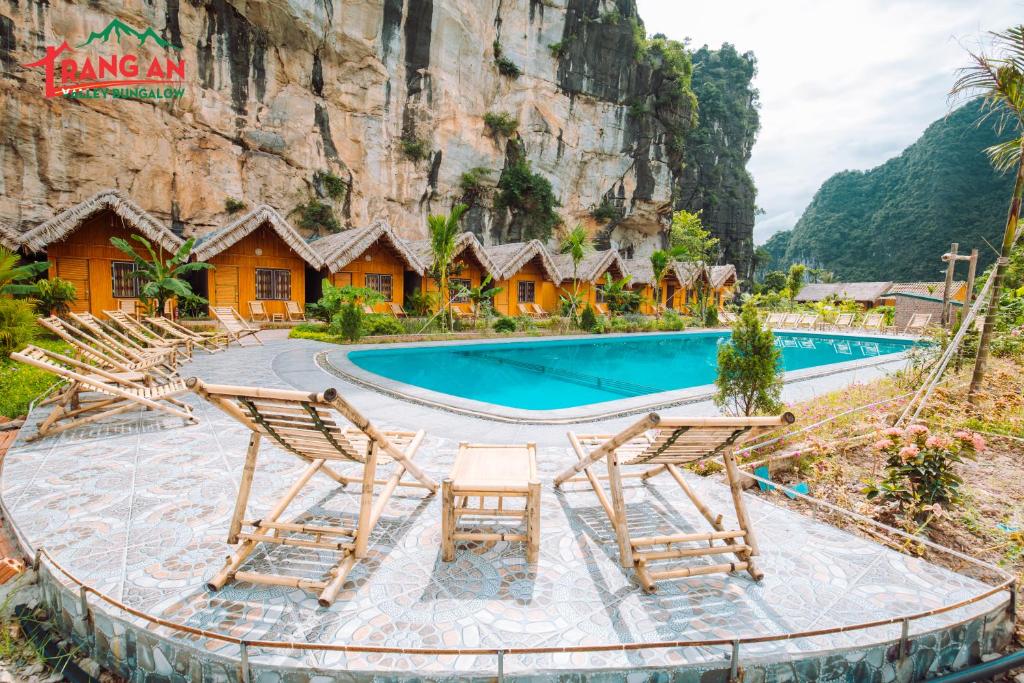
[{"x": 138, "y": 507}]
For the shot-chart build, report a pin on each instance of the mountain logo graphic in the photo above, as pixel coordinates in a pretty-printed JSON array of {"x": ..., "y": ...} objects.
[{"x": 117, "y": 28}]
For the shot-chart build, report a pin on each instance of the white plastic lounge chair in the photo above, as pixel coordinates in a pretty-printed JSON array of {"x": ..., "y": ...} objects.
[
  {"x": 656, "y": 445},
  {"x": 318, "y": 429}
]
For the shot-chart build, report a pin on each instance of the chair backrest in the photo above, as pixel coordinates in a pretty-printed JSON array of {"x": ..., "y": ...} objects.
[
  {"x": 292, "y": 308},
  {"x": 86, "y": 345},
  {"x": 872, "y": 321},
  {"x": 681, "y": 440},
  {"x": 919, "y": 321},
  {"x": 844, "y": 320},
  {"x": 775, "y": 318},
  {"x": 115, "y": 338},
  {"x": 256, "y": 309},
  {"x": 128, "y": 306},
  {"x": 396, "y": 309},
  {"x": 808, "y": 319},
  {"x": 229, "y": 318},
  {"x": 792, "y": 318},
  {"x": 130, "y": 325},
  {"x": 73, "y": 370},
  {"x": 173, "y": 329}
]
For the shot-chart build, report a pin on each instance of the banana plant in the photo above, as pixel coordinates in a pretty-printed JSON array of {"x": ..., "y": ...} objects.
[
  {"x": 160, "y": 277},
  {"x": 18, "y": 279},
  {"x": 479, "y": 295}
]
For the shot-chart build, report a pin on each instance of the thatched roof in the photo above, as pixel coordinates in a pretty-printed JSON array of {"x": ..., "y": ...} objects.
[
  {"x": 593, "y": 267},
  {"x": 340, "y": 249},
  {"x": 928, "y": 288},
  {"x": 68, "y": 220},
  {"x": 210, "y": 245},
  {"x": 856, "y": 291},
  {"x": 722, "y": 276},
  {"x": 510, "y": 258},
  {"x": 640, "y": 270},
  {"x": 9, "y": 238},
  {"x": 465, "y": 240},
  {"x": 688, "y": 272}
]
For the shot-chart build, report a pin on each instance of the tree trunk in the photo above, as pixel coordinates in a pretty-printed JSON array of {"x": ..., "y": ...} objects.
[{"x": 1009, "y": 237}]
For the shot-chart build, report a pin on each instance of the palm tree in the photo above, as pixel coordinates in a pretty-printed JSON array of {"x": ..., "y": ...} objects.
[
  {"x": 999, "y": 82},
  {"x": 660, "y": 261},
  {"x": 161, "y": 280},
  {"x": 444, "y": 231},
  {"x": 576, "y": 244},
  {"x": 480, "y": 294},
  {"x": 17, "y": 279}
]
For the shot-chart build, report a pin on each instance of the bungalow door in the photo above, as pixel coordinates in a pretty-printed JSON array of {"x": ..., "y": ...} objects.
[
  {"x": 225, "y": 287},
  {"x": 76, "y": 271}
]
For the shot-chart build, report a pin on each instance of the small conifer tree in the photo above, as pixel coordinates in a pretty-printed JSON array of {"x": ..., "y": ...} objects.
[{"x": 749, "y": 374}]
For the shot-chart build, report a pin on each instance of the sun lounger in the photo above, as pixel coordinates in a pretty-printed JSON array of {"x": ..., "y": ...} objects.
[
  {"x": 120, "y": 392},
  {"x": 844, "y": 321},
  {"x": 236, "y": 326},
  {"x": 294, "y": 311},
  {"x": 396, "y": 310},
  {"x": 459, "y": 312},
  {"x": 656, "y": 445},
  {"x": 483, "y": 473},
  {"x": 808, "y": 321},
  {"x": 918, "y": 323},
  {"x": 601, "y": 309},
  {"x": 97, "y": 353},
  {"x": 317, "y": 429},
  {"x": 873, "y": 322},
  {"x": 144, "y": 336},
  {"x": 128, "y": 306},
  {"x": 536, "y": 310},
  {"x": 792, "y": 320},
  {"x": 775, "y": 319},
  {"x": 113, "y": 340},
  {"x": 208, "y": 341},
  {"x": 726, "y": 318},
  {"x": 258, "y": 313}
]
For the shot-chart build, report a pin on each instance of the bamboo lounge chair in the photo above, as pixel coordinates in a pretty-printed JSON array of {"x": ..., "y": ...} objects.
[
  {"x": 209, "y": 341},
  {"x": 844, "y": 321},
  {"x": 128, "y": 306},
  {"x": 396, "y": 310},
  {"x": 121, "y": 392},
  {"x": 873, "y": 322},
  {"x": 313, "y": 428},
  {"x": 257, "y": 313},
  {"x": 144, "y": 336},
  {"x": 95, "y": 352},
  {"x": 294, "y": 311},
  {"x": 113, "y": 341},
  {"x": 602, "y": 309},
  {"x": 658, "y": 445},
  {"x": 808, "y": 321},
  {"x": 537, "y": 310},
  {"x": 775, "y": 319},
  {"x": 792, "y": 319},
  {"x": 917, "y": 323},
  {"x": 235, "y": 325},
  {"x": 726, "y": 317}
]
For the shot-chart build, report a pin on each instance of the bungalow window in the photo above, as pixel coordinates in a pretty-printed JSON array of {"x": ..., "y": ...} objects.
[
  {"x": 123, "y": 284},
  {"x": 379, "y": 283},
  {"x": 456, "y": 285},
  {"x": 527, "y": 292},
  {"x": 273, "y": 284}
]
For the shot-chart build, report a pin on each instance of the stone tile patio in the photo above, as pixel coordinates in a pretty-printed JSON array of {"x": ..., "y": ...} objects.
[{"x": 139, "y": 507}]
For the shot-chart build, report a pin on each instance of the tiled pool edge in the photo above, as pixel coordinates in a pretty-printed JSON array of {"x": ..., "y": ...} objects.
[
  {"x": 337, "y": 363},
  {"x": 141, "y": 655}
]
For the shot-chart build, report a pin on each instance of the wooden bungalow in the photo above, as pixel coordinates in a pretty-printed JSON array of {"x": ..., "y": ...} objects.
[
  {"x": 76, "y": 242},
  {"x": 471, "y": 266},
  {"x": 372, "y": 257},
  {"x": 528, "y": 275},
  {"x": 677, "y": 289},
  {"x": 590, "y": 273},
  {"x": 723, "y": 283},
  {"x": 257, "y": 258}
]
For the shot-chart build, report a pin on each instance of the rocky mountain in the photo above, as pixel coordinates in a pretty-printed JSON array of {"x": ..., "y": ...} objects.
[
  {"x": 338, "y": 112},
  {"x": 893, "y": 222}
]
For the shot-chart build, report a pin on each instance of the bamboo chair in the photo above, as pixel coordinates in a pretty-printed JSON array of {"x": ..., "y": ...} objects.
[
  {"x": 144, "y": 336},
  {"x": 844, "y": 321},
  {"x": 918, "y": 323},
  {"x": 235, "y": 325},
  {"x": 121, "y": 392},
  {"x": 658, "y": 445},
  {"x": 601, "y": 308},
  {"x": 208, "y": 341},
  {"x": 128, "y": 306},
  {"x": 775, "y": 319},
  {"x": 95, "y": 352},
  {"x": 368, "y": 309},
  {"x": 538, "y": 311},
  {"x": 313, "y": 428},
  {"x": 726, "y": 317},
  {"x": 257, "y": 313},
  {"x": 294, "y": 311},
  {"x": 113, "y": 340},
  {"x": 791, "y": 319},
  {"x": 459, "y": 312},
  {"x": 873, "y": 322},
  {"x": 808, "y": 321},
  {"x": 396, "y": 310}
]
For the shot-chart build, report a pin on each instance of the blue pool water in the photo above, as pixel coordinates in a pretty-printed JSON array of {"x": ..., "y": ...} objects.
[{"x": 546, "y": 375}]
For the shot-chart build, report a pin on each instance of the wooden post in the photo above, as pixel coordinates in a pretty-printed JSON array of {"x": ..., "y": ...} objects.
[
  {"x": 950, "y": 259},
  {"x": 533, "y": 522},
  {"x": 741, "y": 513},
  {"x": 971, "y": 271},
  {"x": 619, "y": 507}
]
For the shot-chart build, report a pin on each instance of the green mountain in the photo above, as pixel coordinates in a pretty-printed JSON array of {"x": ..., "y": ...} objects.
[
  {"x": 118, "y": 28},
  {"x": 894, "y": 221}
]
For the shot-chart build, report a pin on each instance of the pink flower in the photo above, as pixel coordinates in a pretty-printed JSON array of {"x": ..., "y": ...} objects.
[
  {"x": 978, "y": 441},
  {"x": 936, "y": 441},
  {"x": 908, "y": 452},
  {"x": 915, "y": 430},
  {"x": 962, "y": 434},
  {"x": 893, "y": 431},
  {"x": 882, "y": 444}
]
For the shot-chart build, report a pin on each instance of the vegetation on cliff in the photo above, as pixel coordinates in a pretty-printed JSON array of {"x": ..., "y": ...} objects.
[{"x": 893, "y": 222}]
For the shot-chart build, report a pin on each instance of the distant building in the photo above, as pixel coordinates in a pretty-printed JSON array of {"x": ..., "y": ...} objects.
[{"x": 871, "y": 294}]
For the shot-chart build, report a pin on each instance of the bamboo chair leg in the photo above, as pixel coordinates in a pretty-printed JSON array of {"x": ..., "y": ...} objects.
[
  {"x": 244, "y": 488},
  {"x": 447, "y": 521},
  {"x": 714, "y": 521},
  {"x": 741, "y": 514},
  {"x": 333, "y": 587},
  {"x": 532, "y": 522},
  {"x": 619, "y": 506},
  {"x": 364, "y": 528}
]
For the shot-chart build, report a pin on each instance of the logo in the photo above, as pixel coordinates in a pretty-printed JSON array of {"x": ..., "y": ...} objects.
[{"x": 118, "y": 62}]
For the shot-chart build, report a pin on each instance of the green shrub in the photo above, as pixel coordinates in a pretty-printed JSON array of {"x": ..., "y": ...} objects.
[
  {"x": 611, "y": 17},
  {"x": 348, "y": 322},
  {"x": 333, "y": 185},
  {"x": 620, "y": 324},
  {"x": 588, "y": 319},
  {"x": 601, "y": 325},
  {"x": 605, "y": 211},
  {"x": 319, "y": 328},
  {"x": 318, "y": 217},
  {"x": 378, "y": 324},
  {"x": 54, "y": 296},
  {"x": 561, "y": 48},
  {"x": 193, "y": 306},
  {"x": 506, "y": 67},
  {"x": 420, "y": 304},
  {"x": 501, "y": 123},
  {"x": 472, "y": 183},
  {"x": 672, "y": 321},
  {"x": 17, "y": 325},
  {"x": 711, "y": 317},
  {"x": 529, "y": 198},
  {"x": 415, "y": 149},
  {"x": 21, "y": 384},
  {"x": 232, "y": 205},
  {"x": 749, "y": 373},
  {"x": 505, "y": 325}
]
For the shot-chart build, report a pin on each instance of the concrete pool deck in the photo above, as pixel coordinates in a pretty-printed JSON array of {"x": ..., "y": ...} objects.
[{"x": 138, "y": 508}]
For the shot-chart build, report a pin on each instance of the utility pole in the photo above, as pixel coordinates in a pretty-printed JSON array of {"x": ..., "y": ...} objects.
[{"x": 950, "y": 258}]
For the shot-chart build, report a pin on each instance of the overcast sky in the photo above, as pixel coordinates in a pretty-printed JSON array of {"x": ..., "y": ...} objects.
[{"x": 844, "y": 85}]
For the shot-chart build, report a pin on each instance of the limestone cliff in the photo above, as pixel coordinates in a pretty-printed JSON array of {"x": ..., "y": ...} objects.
[{"x": 373, "y": 108}]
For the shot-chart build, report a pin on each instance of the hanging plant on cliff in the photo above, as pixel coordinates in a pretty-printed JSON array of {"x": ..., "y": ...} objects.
[
  {"x": 529, "y": 198},
  {"x": 161, "y": 279}
]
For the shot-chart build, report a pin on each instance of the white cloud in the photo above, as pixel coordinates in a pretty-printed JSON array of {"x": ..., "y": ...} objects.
[{"x": 843, "y": 85}]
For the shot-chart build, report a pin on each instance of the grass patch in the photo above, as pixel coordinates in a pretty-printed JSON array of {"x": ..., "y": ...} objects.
[{"x": 21, "y": 384}]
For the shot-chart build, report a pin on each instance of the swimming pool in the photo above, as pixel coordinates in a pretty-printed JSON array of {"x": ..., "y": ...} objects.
[{"x": 567, "y": 373}]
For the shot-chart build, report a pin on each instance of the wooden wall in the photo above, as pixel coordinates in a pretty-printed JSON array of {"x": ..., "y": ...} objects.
[
  {"x": 546, "y": 292},
  {"x": 470, "y": 270},
  {"x": 232, "y": 281},
  {"x": 84, "y": 258},
  {"x": 383, "y": 261}
]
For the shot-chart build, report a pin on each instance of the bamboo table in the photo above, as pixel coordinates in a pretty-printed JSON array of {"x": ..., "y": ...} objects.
[{"x": 485, "y": 472}]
